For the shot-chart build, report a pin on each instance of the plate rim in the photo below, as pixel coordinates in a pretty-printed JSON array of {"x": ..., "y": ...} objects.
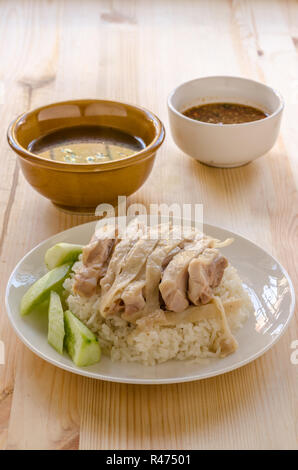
[{"x": 151, "y": 381}]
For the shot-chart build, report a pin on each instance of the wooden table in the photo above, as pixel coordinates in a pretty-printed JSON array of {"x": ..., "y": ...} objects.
[{"x": 137, "y": 51}]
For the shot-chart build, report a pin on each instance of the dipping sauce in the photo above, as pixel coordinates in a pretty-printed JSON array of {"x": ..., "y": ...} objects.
[
  {"x": 225, "y": 113},
  {"x": 86, "y": 144}
]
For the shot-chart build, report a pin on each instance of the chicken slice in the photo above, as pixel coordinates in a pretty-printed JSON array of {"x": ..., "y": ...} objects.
[
  {"x": 141, "y": 296},
  {"x": 173, "y": 252},
  {"x": 205, "y": 273},
  {"x": 95, "y": 259},
  {"x": 133, "y": 232},
  {"x": 133, "y": 298},
  {"x": 157, "y": 261},
  {"x": 131, "y": 267},
  {"x": 173, "y": 286}
]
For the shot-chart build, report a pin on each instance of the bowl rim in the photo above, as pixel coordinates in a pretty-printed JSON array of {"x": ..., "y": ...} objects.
[
  {"x": 279, "y": 109},
  {"x": 103, "y": 166}
]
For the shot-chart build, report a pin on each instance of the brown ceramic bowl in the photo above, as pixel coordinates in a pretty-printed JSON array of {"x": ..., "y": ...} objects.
[{"x": 81, "y": 187}]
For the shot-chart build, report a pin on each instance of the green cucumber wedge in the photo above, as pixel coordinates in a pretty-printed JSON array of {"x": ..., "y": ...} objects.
[
  {"x": 80, "y": 343},
  {"x": 62, "y": 253},
  {"x": 56, "y": 331},
  {"x": 40, "y": 290}
]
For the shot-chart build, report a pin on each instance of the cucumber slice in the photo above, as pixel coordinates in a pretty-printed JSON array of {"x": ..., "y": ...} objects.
[
  {"x": 81, "y": 344},
  {"x": 62, "y": 253},
  {"x": 40, "y": 290},
  {"x": 56, "y": 331}
]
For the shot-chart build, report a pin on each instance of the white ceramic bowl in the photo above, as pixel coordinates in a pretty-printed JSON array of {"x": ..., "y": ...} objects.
[{"x": 226, "y": 145}]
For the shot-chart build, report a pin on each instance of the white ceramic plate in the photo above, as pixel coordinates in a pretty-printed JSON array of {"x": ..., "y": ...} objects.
[{"x": 266, "y": 281}]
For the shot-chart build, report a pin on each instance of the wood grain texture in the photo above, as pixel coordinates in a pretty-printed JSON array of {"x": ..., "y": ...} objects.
[{"x": 137, "y": 51}]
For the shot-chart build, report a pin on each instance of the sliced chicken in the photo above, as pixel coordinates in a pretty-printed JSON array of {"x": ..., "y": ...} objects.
[
  {"x": 170, "y": 256},
  {"x": 205, "y": 273},
  {"x": 133, "y": 232},
  {"x": 173, "y": 286},
  {"x": 186, "y": 240},
  {"x": 154, "y": 268},
  {"x": 133, "y": 298},
  {"x": 148, "y": 269},
  {"x": 95, "y": 261},
  {"x": 182, "y": 244},
  {"x": 141, "y": 296},
  {"x": 135, "y": 260}
]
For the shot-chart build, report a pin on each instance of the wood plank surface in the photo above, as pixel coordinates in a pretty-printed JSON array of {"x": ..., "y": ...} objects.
[{"x": 137, "y": 51}]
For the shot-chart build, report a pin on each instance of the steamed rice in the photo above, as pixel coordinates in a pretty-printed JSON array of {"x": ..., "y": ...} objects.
[{"x": 123, "y": 341}]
